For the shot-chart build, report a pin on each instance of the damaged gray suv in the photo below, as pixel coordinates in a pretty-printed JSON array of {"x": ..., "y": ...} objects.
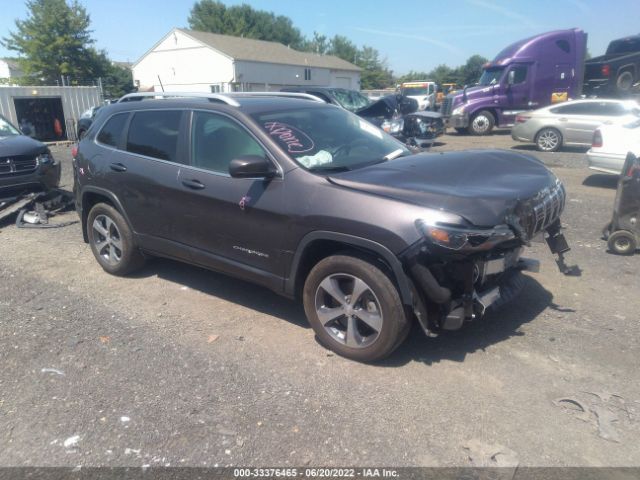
[{"x": 316, "y": 203}]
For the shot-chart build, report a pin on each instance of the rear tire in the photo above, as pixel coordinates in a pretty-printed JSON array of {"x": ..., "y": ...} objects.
[
  {"x": 622, "y": 243},
  {"x": 548, "y": 140},
  {"x": 354, "y": 308},
  {"x": 482, "y": 123},
  {"x": 111, "y": 241},
  {"x": 624, "y": 82}
]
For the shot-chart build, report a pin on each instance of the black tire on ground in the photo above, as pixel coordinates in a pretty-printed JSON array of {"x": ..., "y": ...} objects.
[
  {"x": 624, "y": 82},
  {"x": 548, "y": 140},
  {"x": 482, "y": 123},
  {"x": 395, "y": 324},
  {"x": 117, "y": 237},
  {"x": 622, "y": 243}
]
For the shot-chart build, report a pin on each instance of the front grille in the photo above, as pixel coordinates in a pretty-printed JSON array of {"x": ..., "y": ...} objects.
[
  {"x": 543, "y": 210},
  {"x": 18, "y": 165},
  {"x": 446, "y": 107}
]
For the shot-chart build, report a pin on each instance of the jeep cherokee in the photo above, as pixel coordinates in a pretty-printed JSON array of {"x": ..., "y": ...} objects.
[{"x": 314, "y": 202}]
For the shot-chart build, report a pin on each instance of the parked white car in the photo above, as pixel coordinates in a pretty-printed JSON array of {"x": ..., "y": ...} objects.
[{"x": 610, "y": 146}]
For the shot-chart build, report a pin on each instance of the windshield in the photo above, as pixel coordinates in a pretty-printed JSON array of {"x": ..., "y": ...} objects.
[
  {"x": 6, "y": 129},
  {"x": 351, "y": 100},
  {"x": 491, "y": 76},
  {"x": 415, "y": 91},
  {"x": 329, "y": 138}
]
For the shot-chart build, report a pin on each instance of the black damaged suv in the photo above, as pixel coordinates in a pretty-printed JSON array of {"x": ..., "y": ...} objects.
[{"x": 312, "y": 201}]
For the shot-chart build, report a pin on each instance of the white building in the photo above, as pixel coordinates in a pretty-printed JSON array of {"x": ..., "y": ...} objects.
[
  {"x": 9, "y": 69},
  {"x": 188, "y": 60}
]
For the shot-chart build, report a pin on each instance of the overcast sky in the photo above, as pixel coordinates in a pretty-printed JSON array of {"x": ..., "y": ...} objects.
[{"x": 411, "y": 34}]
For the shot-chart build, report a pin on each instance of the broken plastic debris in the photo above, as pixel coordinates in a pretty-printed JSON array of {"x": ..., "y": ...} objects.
[
  {"x": 125, "y": 419},
  {"x": 582, "y": 412},
  {"x": 605, "y": 420},
  {"x": 487, "y": 455},
  {"x": 71, "y": 442},
  {"x": 52, "y": 370},
  {"x": 212, "y": 338}
]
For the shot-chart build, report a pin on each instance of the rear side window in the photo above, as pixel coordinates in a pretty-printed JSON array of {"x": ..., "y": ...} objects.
[
  {"x": 111, "y": 133},
  {"x": 587, "y": 108},
  {"x": 155, "y": 134},
  {"x": 564, "y": 45}
]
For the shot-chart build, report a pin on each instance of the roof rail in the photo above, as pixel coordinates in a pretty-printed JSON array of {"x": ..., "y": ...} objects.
[
  {"x": 305, "y": 96},
  {"x": 211, "y": 96},
  {"x": 227, "y": 98}
]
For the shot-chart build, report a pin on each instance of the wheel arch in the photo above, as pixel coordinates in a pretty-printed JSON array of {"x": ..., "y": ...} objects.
[
  {"x": 94, "y": 195},
  {"x": 320, "y": 244}
]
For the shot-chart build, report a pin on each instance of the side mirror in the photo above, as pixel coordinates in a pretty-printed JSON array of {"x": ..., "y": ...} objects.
[
  {"x": 251, "y": 166},
  {"x": 511, "y": 78}
]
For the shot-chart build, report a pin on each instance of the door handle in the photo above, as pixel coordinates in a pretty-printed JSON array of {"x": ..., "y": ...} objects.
[
  {"x": 193, "y": 184},
  {"x": 118, "y": 167}
]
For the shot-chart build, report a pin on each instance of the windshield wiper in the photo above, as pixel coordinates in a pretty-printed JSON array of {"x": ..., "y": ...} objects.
[
  {"x": 394, "y": 154},
  {"x": 320, "y": 168}
]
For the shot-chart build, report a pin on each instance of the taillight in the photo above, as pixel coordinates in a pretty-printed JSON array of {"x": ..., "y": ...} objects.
[
  {"x": 74, "y": 151},
  {"x": 596, "y": 142},
  {"x": 606, "y": 70},
  {"x": 521, "y": 118}
]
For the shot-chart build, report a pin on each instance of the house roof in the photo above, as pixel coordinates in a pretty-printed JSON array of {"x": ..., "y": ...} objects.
[{"x": 240, "y": 48}]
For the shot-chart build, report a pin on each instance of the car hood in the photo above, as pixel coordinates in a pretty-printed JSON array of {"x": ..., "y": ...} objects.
[
  {"x": 14, "y": 145},
  {"x": 482, "y": 186}
]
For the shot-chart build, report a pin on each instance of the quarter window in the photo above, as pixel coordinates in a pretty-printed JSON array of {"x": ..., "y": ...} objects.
[
  {"x": 111, "y": 133},
  {"x": 155, "y": 134},
  {"x": 216, "y": 140}
]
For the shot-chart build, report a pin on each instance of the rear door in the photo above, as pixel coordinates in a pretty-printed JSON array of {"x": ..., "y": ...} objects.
[
  {"x": 578, "y": 121},
  {"x": 148, "y": 171},
  {"x": 229, "y": 220}
]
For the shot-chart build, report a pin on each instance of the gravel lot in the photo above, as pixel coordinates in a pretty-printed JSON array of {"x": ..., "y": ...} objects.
[{"x": 183, "y": 366}]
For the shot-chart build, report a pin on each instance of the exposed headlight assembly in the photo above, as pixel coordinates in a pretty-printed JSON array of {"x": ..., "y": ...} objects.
[
  {"x": 393, "y": 126},
  {"x": 458, "y": 111},
  {"x": 462, "y": 238}
]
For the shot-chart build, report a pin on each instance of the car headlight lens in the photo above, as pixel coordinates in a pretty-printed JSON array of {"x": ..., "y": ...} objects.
[
  {"x": 393, "y": 126},
  {"x": 458, "y": 111},
  {"x": 44, "y": 159},
  {"x": 462, "y": 238}
]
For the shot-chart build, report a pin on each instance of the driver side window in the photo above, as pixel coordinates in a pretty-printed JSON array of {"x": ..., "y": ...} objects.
[
  {"x": 216, "y": 140},
  {"x": 519, "y": 74}
]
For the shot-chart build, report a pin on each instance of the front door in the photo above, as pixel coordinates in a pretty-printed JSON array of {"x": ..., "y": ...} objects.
[
  {"x": 517, "y": 93},
  {"x": 229, "y": 220}
]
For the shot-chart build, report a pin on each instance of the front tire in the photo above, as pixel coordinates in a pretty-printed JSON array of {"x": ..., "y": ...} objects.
[
  {"x": 482, "y": 123},
  {"x": 622, "y": 243},
  {"x": 354, "y": 308},
  {"x": 548, "y": 140},
  {"x": 111, "y": 240}
]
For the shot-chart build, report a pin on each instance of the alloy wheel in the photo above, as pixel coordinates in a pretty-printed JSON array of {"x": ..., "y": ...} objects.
[
  {"x": 349, "y": 310},
  {"x": 548, "y": 140},
  {"x": 107, "y": 239}
]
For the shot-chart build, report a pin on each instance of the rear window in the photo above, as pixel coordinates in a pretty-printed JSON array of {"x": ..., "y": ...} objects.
[
  {"x": 155, "y": 134},
  {"x": 624, "y": 45},
  {"x": 111, "y": 133}
]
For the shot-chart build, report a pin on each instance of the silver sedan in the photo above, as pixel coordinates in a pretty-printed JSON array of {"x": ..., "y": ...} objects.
[{"x": 569, "y": 123}]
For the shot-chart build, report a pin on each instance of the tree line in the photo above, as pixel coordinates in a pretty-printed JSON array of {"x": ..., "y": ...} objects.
[{"x": 54, "y": 43}]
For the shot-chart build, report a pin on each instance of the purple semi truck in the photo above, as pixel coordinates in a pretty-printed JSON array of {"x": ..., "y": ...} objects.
[{"x": 527, "y": 75}]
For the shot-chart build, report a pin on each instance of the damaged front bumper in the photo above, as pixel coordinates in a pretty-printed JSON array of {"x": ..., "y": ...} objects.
[{"x": 456, "y": 288}]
